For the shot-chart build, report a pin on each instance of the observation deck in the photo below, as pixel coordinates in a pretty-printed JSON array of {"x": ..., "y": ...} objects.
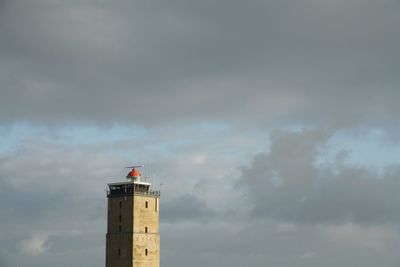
[{"x": 131, "y": 188}]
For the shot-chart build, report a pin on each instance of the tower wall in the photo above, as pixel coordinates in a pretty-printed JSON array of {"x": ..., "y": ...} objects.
[
  {"x": 133, "y": 238},
  {"x": 147, "y": 218}
]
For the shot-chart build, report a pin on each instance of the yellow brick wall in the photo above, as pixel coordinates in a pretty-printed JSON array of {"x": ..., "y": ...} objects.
[
  {"x": 132, "y": 240},
  {"x": 146, "y": 217}
]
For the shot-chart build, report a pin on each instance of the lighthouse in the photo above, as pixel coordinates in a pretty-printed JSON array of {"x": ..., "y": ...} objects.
[{"x": 133, "y": 237}]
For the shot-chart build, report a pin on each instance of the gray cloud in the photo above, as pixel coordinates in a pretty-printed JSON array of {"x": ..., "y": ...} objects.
[
  {"x": 271, "y": 243},
  {"x": 186, "y": 207},
  {"x": 45, "y": 201},
  {"x": 287, "y": 184},
  {"x": 33, "y": 206},
  {"x": 161, "y": 61}
]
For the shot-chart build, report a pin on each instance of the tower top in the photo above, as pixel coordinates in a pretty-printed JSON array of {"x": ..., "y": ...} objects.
[
  {"x": 134, "y": 175},
  {"x": 134, "y": 185}
]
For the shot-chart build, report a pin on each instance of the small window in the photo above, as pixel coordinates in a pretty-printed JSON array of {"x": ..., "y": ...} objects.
[
  {"x": 145, "y": 229},
  {"x": 120, "y": 218},
  {"x": 120, "y": 204},
  {"x": 119, "y": 252},
  {"x": 120, "y": 228},
  {"x": 156, "y": 202},
  {"x": 146, "y": 252},
  {"x": 147, "y": 204}
]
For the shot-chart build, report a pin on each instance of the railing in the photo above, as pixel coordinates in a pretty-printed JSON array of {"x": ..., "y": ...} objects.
[
  {"x": 149, "y": 193},
  {"x": 116, "y": 193}
]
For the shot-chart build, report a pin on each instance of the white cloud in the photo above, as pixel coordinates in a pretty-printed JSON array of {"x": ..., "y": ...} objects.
[{"x": 37, "y": 244}]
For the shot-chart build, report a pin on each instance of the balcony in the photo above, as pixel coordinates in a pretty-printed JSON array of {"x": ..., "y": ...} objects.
[{"x": 130, "y": 189}]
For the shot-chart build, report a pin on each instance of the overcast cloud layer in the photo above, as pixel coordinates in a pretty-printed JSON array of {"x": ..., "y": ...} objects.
[
  {"x": 156, "y": 61},
  {"x": 271, "y": 128}
]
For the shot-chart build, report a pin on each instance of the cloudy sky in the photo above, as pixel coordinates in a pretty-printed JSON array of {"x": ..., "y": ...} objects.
[{"x": 272, "y": 126}]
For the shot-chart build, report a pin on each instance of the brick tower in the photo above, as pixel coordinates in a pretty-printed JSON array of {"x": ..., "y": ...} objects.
[{"x": 133, "y": 238}]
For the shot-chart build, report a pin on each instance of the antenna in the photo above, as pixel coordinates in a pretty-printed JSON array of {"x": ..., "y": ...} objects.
[{"x": 136, "y": 166}]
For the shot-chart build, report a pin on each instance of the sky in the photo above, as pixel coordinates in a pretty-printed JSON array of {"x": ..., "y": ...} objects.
[{"x": 270, "y": 127}]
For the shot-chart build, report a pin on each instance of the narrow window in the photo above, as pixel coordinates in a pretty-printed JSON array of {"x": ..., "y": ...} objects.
[
  {"x": 120, "y": 228},
  {"x": 147, "y": 204},
  {"x": 156, "y": 204},
  {"x": 145, "y": 252},
  {"x": 145, "y": 229},
  {"x": 120, "y": 204},
  {"x": 120, "y": 218},
  {"x": 119, "y": 252}
]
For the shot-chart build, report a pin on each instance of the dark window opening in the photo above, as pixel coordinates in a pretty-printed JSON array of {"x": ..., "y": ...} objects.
[
  {"x": 119, "y": 252},
  {"x": 156, "y": 202},
  {"x": 145, "y": 252},
  {"x": 145, "y": 229},
  {"x": 120, "y": 204},
  {"x": 147, "y": 204},
  {"x": 120, "y": 218}
]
